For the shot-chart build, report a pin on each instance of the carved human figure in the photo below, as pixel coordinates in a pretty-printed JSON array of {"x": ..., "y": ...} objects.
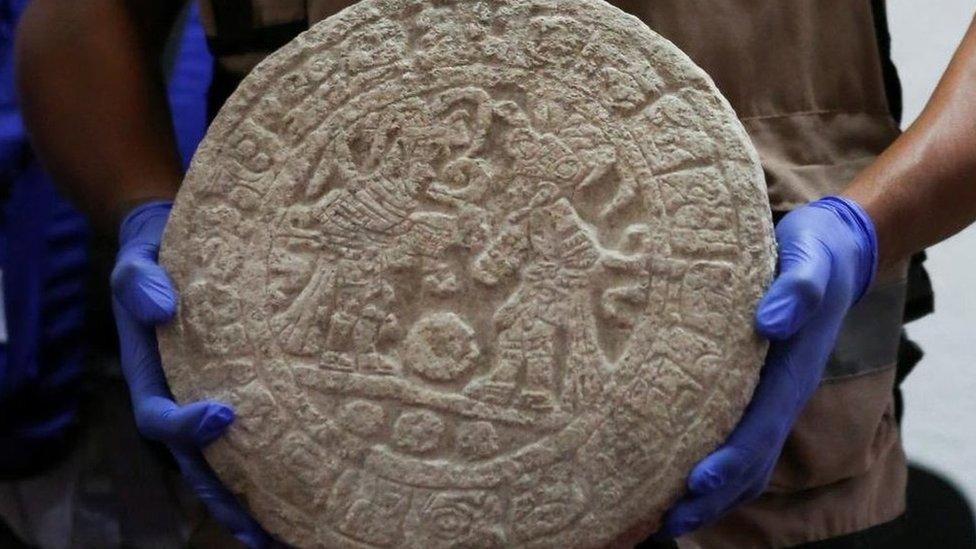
[
  {"x": 346, "y": 291},
  {"x": 359, "y": 233},
  {"x": 555, "y": 253},
  {"x": 363, "y": 317}
]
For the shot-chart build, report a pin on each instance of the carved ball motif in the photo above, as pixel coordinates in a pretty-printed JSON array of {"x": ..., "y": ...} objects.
[{"x": 440, "y": 347}]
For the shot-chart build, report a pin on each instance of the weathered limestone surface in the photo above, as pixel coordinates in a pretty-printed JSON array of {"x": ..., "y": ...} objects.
[{"x": 473, "y": 274}]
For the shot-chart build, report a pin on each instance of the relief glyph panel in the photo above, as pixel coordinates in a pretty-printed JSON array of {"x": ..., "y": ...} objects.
[{"x": 473, "y": 274}]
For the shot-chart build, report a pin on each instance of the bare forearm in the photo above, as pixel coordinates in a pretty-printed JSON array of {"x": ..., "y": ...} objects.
[
  {"x": 923, "y": 188},
  {"x": 94, "y": 101}
]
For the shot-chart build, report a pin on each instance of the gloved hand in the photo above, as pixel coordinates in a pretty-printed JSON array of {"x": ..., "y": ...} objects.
[
  {"x": 143, "y": 296},
  {"x": 827, "y": 259}
]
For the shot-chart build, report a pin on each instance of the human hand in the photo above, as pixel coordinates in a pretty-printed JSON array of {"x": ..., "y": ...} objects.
[
  {"x": 827, "y": 259},
  {"x": 142, "y": 297}
]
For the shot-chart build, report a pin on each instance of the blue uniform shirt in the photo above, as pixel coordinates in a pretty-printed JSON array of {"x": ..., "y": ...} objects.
[{"x": 43, "y": 257}]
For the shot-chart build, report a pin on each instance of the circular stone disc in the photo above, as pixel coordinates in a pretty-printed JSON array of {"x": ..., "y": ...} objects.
[{"x": 472, "y": 274}]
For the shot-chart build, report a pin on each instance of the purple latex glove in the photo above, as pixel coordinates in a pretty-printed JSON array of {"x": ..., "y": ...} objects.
[
  {"x": 827, "y": 259},
  {"x": 142, "y": 297}
]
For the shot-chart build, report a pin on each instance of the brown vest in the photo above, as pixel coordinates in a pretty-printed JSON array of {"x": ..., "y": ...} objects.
[{"x": 805, "y": 77}]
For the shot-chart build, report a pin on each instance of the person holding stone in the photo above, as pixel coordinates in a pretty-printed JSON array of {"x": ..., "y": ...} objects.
[{"x": 817, "y": 456}]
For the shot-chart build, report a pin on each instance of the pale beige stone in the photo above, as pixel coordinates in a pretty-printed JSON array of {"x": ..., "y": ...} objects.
[{"x": 475, "y": 274}]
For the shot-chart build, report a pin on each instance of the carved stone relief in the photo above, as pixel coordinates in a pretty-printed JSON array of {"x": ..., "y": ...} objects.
[{"x": 473, "y": 274}]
